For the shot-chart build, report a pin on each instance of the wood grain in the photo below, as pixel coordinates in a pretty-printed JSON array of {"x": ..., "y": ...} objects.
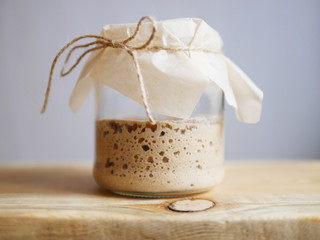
[{"x": 255, "y": 201}]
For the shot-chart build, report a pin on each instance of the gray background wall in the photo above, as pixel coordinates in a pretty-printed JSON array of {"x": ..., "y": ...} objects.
[{"x": 275, "y": 42}]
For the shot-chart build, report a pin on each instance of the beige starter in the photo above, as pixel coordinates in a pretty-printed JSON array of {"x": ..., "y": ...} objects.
[{"x": 135, "y": 157}]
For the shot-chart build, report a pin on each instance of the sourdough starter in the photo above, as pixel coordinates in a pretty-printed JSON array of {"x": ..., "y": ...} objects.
[{"x": 169, "y": 157}]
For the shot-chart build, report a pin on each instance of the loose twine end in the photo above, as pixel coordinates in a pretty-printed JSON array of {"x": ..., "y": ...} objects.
[{"x": 100, "y": 43}]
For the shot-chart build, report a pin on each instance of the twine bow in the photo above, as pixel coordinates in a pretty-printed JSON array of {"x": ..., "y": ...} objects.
[{"x": 102, "y": 43}]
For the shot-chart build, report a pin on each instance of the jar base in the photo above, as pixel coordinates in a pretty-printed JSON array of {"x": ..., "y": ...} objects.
[{"x": 160, "y": 194}]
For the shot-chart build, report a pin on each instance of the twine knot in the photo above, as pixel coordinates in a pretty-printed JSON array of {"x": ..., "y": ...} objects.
[{"x": 101, "y": 42}]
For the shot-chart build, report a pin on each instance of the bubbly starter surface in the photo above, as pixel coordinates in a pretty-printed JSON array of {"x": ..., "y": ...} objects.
[{"x": 171, "y": 156}]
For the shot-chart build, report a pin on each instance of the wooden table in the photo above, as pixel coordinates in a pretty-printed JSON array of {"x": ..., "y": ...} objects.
[{"x": 255, "y": 201}]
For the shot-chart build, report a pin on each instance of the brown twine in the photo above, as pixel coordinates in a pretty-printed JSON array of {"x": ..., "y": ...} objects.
[{"x": 102, "y": 43}]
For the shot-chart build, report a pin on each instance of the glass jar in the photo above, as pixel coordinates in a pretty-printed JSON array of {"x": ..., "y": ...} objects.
[{"x": 174, "y": 157}]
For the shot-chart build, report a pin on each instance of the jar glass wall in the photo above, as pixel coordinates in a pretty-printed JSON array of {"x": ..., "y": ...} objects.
[{"x": 174, "y": 157}]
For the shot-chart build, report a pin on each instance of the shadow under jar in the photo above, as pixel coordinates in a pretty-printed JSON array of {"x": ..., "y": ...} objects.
[{"x": 174, "y": 157}]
